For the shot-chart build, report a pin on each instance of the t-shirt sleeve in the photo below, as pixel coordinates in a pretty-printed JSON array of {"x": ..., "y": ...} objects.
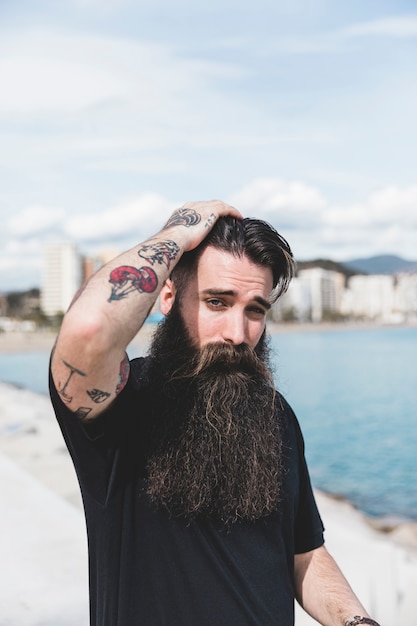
[
  {"x": 95, "y": 446},
  {"x": 308, "y": 525}
]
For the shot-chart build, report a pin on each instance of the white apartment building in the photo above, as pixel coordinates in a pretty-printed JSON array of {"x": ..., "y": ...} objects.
[
  {"x": 326, "y": 291},
  {"x": 312, "y": 295},
  {"x": 61, "y": 277},
  {"x": 295, "y": 304},
  {"x": 317, "y": 292},
  {"x": 406, "y": 295},
  {"x": 371, "y": 297}
]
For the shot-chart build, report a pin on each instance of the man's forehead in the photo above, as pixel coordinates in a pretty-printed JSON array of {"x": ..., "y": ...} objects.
[
  {"x": 213, "y": 256},
  {"x": 219, "y": 269}
]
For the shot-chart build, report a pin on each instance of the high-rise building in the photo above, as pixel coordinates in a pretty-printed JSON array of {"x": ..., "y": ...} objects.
[
  {"x": 326, "y": 288},
  {"x": 370, "y": 297},
  {"x": 61, "y": 277}
]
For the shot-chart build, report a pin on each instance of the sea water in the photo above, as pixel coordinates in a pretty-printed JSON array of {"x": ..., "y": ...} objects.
[{"x": 355, "y": 395}]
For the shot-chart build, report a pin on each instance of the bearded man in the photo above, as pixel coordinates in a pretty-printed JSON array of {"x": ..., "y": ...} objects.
[{"x": 197, "y": 496}]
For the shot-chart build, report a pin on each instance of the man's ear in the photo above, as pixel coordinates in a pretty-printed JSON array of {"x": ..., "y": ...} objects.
[{"x": 167, "y": 296}]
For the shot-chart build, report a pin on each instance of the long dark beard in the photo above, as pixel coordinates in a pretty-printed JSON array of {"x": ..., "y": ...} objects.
[{"x": 216, "y": 444}]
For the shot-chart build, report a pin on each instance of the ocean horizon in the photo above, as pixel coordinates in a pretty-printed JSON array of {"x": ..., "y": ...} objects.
[{"x": 355, "y": 395}]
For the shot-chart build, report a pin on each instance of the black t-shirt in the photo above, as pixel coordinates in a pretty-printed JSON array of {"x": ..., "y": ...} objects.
[{"x": 149, "y": 569}]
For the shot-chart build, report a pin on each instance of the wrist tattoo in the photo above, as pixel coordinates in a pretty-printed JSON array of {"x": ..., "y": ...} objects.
[
  {"x": 127, "y": 279},
  {"x": 183, "y": 217},
  {"x": 161, "y": 252}
]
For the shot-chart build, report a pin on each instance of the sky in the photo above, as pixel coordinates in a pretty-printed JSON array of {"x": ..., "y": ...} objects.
[{"x": 115, "y": 112}]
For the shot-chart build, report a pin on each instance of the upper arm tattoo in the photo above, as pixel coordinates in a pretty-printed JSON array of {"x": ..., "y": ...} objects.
[
  {"x": 126, "y": 279},
  {"x": 123, "y": 374},
  {"x": 62, "y": 388},
  {"x": 98, "y": 396}
]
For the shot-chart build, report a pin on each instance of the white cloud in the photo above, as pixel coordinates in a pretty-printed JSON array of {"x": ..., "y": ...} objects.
[
  {"x": 404, "y": 26},
  {"x": 41, "y": 70},
  {"x": 40, "y": 84},
  {"x": 382, "y": 209},
  {"x": 330, "y": 42},
  {"x": 76, "y": 103},
  {"x": 35, "y": 220},
  {"x": 20, "y": 264},
  {"x": 395, "y": 205},
  {"x": 384, "y": 222},
  {"x": 100, "y": 5},
  {"x": 287, "y": 202},
  {"x": 132, "y": 218}
]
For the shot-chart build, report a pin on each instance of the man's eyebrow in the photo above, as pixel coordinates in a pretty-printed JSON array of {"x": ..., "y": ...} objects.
[
  {"x": 263, "y": 302},
  {"x": 230, "y": 292}
]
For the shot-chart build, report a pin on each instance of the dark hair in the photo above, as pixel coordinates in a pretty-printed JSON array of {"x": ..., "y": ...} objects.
[{"x": 250, "y": 237}]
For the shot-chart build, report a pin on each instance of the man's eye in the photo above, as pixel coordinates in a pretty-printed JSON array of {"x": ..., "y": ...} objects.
[
  {"x": 258, "y": 311},
  {"x": 215, "y": 303}
]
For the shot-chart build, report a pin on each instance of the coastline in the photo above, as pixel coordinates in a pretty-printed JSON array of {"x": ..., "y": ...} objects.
[
  {"x": 13, "y": 342},
  {"x": 19, "y": 341},
  {"x": 403, "y": 531},
  {"x": 43, "y": 340}
]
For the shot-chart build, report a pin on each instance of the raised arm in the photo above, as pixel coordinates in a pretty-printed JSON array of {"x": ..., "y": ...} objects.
[
  {"x": 323, "y": 591},
  {"x": 89, "y": 363}
]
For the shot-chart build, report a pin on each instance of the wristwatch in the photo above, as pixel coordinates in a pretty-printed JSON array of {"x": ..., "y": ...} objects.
[{"x": 354, "y": 621}]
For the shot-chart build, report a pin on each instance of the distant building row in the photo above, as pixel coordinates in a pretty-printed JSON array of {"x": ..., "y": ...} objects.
[
  {"x": 317, "y": 295},
  {"x": 314, "y": 295}
]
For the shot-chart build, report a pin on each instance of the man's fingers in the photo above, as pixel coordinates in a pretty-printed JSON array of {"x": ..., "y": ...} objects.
[
  {"x": 194, "y": 220},
  {"x": 218, "y": 207}
]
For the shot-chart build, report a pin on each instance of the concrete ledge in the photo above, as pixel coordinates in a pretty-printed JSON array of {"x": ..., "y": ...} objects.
[{"x": 43, "y": 548}]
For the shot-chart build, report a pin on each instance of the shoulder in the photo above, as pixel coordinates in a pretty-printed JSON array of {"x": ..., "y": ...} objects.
[{"x": 289, "y": 421}]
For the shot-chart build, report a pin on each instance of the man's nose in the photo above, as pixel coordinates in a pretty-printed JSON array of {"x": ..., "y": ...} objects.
[{"x": 234, "y": 329}]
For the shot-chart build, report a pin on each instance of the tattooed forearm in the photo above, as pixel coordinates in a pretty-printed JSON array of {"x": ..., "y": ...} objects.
[
  {"x": 126, "y": 279},
  {"x": 98, "y": 396},
  {"x": 183, "y": 217},
  {"x": 62, "y": 387},
  {"x": 161, "y": 252}
]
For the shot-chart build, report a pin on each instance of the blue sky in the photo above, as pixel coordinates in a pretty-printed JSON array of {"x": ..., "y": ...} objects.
[{"x": 114, "y": 112}]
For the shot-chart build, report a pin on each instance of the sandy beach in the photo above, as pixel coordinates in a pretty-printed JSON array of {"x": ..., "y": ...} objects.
[
  {"x": 43, "y": 341},
  {"x": 43, "y": 540},
  {"x": 18, "y": 341}
]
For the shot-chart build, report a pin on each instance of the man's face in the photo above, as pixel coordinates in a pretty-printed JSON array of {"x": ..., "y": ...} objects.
[
  {"x": 227, "y": 300},
  {"x": 214, "y": 434}
]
